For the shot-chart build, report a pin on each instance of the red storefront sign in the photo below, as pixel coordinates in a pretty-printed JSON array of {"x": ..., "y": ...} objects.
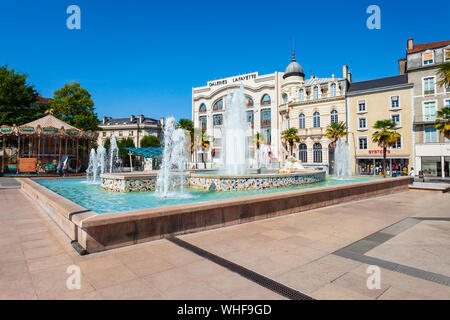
[{"x": 378, "y": 151}]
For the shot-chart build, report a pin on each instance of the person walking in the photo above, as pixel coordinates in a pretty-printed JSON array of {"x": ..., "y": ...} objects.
[{"x": 412, "y": 174}]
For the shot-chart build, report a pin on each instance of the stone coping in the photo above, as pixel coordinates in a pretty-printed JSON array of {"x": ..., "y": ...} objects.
[
  {"x": 154, "y": 173},
  {"x": 97, "y": 232},
  {"x": 256, "y": 175},
  {"x": 144, "y": 213}
]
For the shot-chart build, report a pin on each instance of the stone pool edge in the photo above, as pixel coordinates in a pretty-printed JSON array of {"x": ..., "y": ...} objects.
[{"x": 98, "y": 232}]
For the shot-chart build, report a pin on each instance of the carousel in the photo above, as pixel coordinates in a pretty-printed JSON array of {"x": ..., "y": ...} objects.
[{"x": 40, "y": 146}]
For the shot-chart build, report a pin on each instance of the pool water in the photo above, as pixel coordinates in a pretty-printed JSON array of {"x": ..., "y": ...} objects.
[{"x": 93, "y": 197}]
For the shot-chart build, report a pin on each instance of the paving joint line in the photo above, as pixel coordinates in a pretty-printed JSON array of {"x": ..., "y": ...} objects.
[{"x": 257, "y": 278}]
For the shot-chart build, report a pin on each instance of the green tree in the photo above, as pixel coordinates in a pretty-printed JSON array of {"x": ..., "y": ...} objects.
[
  {"x": 290, "y": 136},
  {"x": 73, "y": 104},
  {"x": 443, "y": 122},
  {"x": 336, "y": 131},
  {"x": 107, "y": 143},
  {"x": 123, "y": 154},
  {"x": 18, "y": 99},
  {"x": 444, "y": 74},
  {"x": 386, "y": 136},
  {"x": 150, "y": 141}
]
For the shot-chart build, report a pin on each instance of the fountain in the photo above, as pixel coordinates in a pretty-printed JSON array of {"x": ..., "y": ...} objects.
[
  {"x": 342, "y": 160},
  {"x": 173, "y": 158},
  {"x": 235, "y": 145},
  {"x": 92, "y": 170},
  {"x": 113, "y": 155},
  {"x": 97, "y": 164}
]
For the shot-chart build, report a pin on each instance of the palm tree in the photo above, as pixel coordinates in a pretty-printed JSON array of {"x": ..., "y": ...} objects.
[
  {"x": 386, "y": 136},
  {"x": 336, "y": 131},
  {"x": 444, "y": 74},
  {"x": 443, "y": 122},
  {"x": 202, "y": 143},
  {"x": 188, "y": 126},
  {"x": 290, "y": 136}
]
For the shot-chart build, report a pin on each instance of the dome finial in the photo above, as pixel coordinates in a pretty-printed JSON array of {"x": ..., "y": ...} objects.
[{"x": 293, "y": 49}]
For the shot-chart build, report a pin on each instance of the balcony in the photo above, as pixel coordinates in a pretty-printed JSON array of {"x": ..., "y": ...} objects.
[
  {"x": 315, "y": 132},
  {"x": 425, "y": 119},
  {"x": 428, "y": 92}
]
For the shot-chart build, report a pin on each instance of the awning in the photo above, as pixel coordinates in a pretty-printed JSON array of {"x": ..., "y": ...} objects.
[
  {"x": 381, "y": 157},
  {"x": 149, "y": 152}
]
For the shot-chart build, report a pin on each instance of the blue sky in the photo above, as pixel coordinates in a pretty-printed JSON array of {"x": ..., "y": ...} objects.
[{"x": 145, "y": 56}]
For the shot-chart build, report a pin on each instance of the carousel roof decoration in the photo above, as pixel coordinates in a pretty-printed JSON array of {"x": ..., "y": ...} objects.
[{"x": 48, "y": 126}]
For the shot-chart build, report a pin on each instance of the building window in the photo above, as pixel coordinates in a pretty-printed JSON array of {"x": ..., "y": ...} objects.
[
  {"x": 104, "y": 133},
  {"x": 430, "y": 135},
  {"x": 120, "y": 134},
  {"x": 202, "y": 108},
  {"x": 265, "y": 101},
  {"x": 447, "y": 103},
  {"x": 130, "y": 133},
  {"x": 265, "y": 118},
  {"x": 429, "y": 111},
  {"x": 288, "y": 123},
  {"x": 333, "y": 90},
  {"x": 395, "y": 117},
  {"x": 250, "y": 117},
  {"x": 316, "y": 93},
  {"x": 249, "y": 101},
  {"x": 428, "y": 85},
  {"x": 316, "y": 120},
  {"x": 302, "y": 153},
  {"x": 285, "y": 98},
  {"x": 447, "y": 54},
  {"x": 301, "y": 121},
  {"x": 217, "y": 119},
  {"x": 395, "y": 102},
  {"x": 334, "y": 116},
  {"x": 317, "y": 152},
  {"x": 397, "y": 144},
  {"x": 362, "y": 123},
  {"x": 362, "y": 106},
  {"x": 302, "y": 95},
  {"x": 427, "y": 57},
  {"x": 203, "y": 123},
  {"x": 362, "y": 143},
  {"x": 218, "y": 105}
]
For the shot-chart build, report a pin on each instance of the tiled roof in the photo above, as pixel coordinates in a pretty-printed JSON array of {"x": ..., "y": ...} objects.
[
  {"x": 126, "y": 121},
  {"x": 417, "y": 47},
  {"x": 43, "y": 100},
  {"x": 378, "y": 83}
]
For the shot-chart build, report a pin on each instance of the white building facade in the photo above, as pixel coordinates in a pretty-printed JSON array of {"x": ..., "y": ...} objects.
[{"x": 263, "y": 96}]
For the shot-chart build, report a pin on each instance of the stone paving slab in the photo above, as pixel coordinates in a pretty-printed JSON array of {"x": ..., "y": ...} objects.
[{"x": 294, "y": 250}]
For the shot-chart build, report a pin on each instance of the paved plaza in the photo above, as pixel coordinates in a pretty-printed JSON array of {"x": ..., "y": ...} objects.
[{"x": 322, "y": 254}]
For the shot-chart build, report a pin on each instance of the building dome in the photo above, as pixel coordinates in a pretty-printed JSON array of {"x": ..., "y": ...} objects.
[{"x": 293, "y": 69}]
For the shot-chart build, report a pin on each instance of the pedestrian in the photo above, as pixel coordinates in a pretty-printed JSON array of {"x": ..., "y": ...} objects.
[{"x": 412, "y": 174}]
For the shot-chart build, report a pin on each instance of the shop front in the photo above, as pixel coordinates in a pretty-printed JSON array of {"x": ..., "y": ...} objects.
[{"x": 395, "y": 166}]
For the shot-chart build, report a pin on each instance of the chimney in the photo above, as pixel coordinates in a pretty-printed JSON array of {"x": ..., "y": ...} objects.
[
  {"x": 104, "y": 119},
  {"x": 132, "y": 118},
  {"x": 349, "y": 77},
  {"x": 410, "y": 44},
  {"x": 141, "y": 118},
  {"x": 344, "y": 71},
  {"x": 161, "y": 120},
  {"x": 402, "y": 66}
]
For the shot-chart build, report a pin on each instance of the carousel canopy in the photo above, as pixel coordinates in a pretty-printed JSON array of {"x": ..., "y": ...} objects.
[
  {"x": 48, "y": 125},
  {"x": 49, "y": 121}
]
